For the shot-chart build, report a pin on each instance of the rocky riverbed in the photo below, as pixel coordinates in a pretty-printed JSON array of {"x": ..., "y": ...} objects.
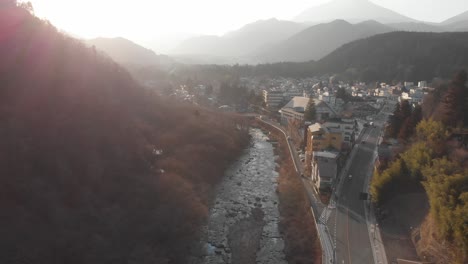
[{"x": 243, "y": 222}]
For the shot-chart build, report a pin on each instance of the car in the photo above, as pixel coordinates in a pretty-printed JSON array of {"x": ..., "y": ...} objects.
[
  {"x": 363, "y": 142},
  {"x": 350, "y": 176}
]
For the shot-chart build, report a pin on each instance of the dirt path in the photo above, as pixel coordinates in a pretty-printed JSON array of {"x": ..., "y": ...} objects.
[{"x": 404, "y": 212}]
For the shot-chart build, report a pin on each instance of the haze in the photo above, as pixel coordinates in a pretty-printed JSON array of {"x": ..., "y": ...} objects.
[{"x": 144, "y": 21}]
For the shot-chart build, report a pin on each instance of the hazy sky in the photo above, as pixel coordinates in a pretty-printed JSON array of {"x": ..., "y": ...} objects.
[{"x": 143, "y": 19}]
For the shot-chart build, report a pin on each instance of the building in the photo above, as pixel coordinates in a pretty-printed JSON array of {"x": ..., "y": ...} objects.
[
  {"x": 413, "y": 97},
  {"x": 321, "y": 138},
  {"x": 422, "y": 84},
  {"x": 363, "y": 109},
  {"x": 291, "y": 93},
  {"x": 295, "y": 108},
  {"x": 273, "y": 99},
  {"x": 348, "y": 128},
  {"x": 324, "y": 169},
  {"x": 324, "y": 111}
]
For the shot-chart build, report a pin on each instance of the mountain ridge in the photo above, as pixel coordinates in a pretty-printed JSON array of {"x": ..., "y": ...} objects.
[
  {"x": 125, "y": 51},
  {"x": 351, "y": 10},
  {"x": 317, "y": 41}
]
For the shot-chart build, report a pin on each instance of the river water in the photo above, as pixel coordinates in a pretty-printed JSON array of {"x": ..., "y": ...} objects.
[{"x": 242, "y": 227}]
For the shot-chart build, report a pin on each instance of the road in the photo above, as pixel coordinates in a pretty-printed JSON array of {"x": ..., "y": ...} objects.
[
  {"x": 353, "y": 243},
  {"x": 346, "y": 227}
]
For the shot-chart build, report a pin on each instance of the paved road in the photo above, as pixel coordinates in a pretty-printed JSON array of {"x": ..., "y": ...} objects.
[
  {"x": 352, "y": 236},
  {"x": 343, "y": 225}
]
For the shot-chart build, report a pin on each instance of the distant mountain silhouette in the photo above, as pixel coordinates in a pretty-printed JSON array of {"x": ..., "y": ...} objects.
[
  {"x": 351, "y": 10},
  {"x": 125, "y": 51},
  {"x": 243, "y": 41},
  {"x": 457, "y": 26},
  {"x": 417, "y": 27},
  {"x": 458, "y": 18},
  {"x": 317, "y": 41}
]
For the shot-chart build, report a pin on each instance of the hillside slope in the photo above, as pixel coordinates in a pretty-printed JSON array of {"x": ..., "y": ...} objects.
[
  {"x": 125, "y": 51},
  {"x": 400, "y": 56},
  {"x": 93, "y": 168}
]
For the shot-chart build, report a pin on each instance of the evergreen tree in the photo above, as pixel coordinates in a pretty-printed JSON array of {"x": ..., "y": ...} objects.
[
  {"x": 405, "y": 110},
  {"x": 451, "y": 109},
  {"x": 310, "y": 113},
  {"x": 394, "y": 123},
  {"x": 406, "y": 130},
  {"x": 342, "y": 94}
]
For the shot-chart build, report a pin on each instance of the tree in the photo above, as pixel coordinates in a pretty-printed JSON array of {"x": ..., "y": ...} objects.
[
  {"x": 310, "y": 113},
  {"x": 433, "y": 134},
  {"x": 405, "y": 110},
  {"x": 394, "y": 123},
  {"x": 209, "y": 90},
  {"x": 342, "y": 94},
  {"x": 406, "y": 130},
  {"x": 451, "y": 108}
]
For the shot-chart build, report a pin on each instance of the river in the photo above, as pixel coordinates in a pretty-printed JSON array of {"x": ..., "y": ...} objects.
[{"x": 242, "y": 226}]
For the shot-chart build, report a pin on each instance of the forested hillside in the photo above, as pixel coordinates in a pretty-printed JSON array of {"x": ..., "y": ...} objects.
[
  {"x": 93, "y": 168},
  {"x": 400, "y": 56},
  {"x": 435, "y": 160}
]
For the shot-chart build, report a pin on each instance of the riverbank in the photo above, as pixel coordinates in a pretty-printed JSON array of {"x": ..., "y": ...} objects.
[
  {"x": 243, "y": 222},
  {"x": 297, "y": 225}
]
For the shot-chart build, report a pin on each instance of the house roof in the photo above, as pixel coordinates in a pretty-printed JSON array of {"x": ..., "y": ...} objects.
[
  {"x": 325, "y": 154},
  {"x": 298, "y": 101},
  {"x": 327, "y": 167},
  {"x": 315, "y": 127}
]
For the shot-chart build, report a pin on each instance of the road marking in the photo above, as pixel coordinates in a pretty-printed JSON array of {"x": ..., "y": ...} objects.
[{"x": 347, "y": 234}]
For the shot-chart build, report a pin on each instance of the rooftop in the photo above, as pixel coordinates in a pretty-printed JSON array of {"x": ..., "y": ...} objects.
[
  {"x": 327, "y": 167},
  {"x": 325, "y": 154}
]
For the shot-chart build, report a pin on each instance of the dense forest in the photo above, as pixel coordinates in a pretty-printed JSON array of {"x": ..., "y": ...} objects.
[
  {"x": 435, "y": 159},
  {"x": 93, "y": 168}
]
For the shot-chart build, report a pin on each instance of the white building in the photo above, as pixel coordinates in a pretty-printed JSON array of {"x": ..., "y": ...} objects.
[
  {"x": 273, "y": 99},
  {"x": 422, "y": 84},
  {"x": 295, "y": 108}
]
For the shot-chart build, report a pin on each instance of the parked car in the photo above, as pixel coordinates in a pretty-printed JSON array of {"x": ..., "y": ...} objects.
[{"x": 350, "y": 176}]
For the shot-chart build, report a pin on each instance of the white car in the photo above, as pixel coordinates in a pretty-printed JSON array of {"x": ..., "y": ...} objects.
[{"x": 350, "y": 176}]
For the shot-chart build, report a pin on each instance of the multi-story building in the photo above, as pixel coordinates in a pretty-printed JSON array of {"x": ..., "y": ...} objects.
[
  {"x": 273, "y": 99},
  {"x": 295, "y": 108},
  {"x": 321, "y": 137},
  {"x": 422, "y": 84},
  {"x": 324, "y": 168},
  {"x": 348, "y": 129}
]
